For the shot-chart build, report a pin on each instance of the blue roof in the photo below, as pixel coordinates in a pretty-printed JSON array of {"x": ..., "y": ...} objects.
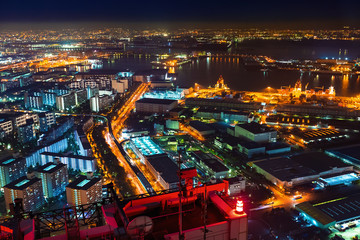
[
  {"x": 146, "y": 146},
  {"x": 23, "y": 182}
]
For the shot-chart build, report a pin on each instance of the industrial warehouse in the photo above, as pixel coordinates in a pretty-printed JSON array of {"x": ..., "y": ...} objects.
[
  {"x": 348, "y": 154},
  {"x": 157, "y": 162},
  {"x": 341, "y": 213},
  {"x": 287, "y": 172}
]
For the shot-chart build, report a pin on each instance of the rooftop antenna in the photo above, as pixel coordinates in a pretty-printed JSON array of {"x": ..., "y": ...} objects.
[
  {"x": 205, "y": 211},
  {"x": 139, "y": 227}
]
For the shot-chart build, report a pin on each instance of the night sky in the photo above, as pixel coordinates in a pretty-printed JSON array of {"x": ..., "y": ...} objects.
[{"x": 304, "y": 13}]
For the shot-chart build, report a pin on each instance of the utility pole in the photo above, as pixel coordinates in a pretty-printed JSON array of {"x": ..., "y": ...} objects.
[
  {"x": 181, "y": 236},
  {"x": 205, "y": 212}
]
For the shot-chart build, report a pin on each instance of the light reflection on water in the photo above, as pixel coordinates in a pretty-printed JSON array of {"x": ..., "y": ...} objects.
[{"x": 206, "y": 71}]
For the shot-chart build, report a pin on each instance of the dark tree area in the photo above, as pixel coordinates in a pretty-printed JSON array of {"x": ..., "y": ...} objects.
[{"x": 111, "y": 164}]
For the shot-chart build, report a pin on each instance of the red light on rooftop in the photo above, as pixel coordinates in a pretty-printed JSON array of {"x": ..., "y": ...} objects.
[{"x": 239, "y": 207}]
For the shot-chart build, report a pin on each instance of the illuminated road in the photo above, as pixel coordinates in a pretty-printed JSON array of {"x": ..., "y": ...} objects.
[
  {"x": 191, "y": 132},
  {"x": 115, "y": 127}
]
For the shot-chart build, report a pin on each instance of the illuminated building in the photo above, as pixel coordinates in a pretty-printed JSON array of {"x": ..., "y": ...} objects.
[
  {"x": 82, "y": 140},
  {"x": 156, "y": 161},
  {"x": 212, "y": 166},
  {"x": 46, "y": 121},
  {"x": 152, "y": 105},
  {"x": 84, "y": 190},
  {"x": 317, "y": 110},
  {"x": 6, "y": 125},
  {"x": 296, "y": 92},
  {"x": 172, "y": 124},
  {"x": 255, "y": 132},
  {"x": 223, "y": 115},
  {"x": 220, "y": 83},
  {"x": 80, "y": 96},
  {"x": 54, "y": 178},
  {"x": 120, "y": 85},
  {"x": 91, "y": 91},
  {"x": 11, "y": 169},
  {"x": 317, "y": 135},
  {"x": 100, "y": 77},
  {"x": 19, "y": 119},
  {"x": 57, "y": 130},
  {"x": 236, "y": 185},
  {"x": 75, "y": 162},
  {"x": 34, "y": 158},
  {"x": 48, "y": 96},
  {"x": 144, "y": 146},
  {"x": 150, "y": 75},
  {"x": 337, "y": 180},
  {"x": 47, "y": 75},
  {"x": 176, "y": 94},
  {"x": 251, "y": 148},
  {"x": 28, "y": 189},
  {"x": 98, "y": 103},
  {"x": 65, "y": 102},
  {"x": 223, "y": 104},
  {"x": 33, "y": 102},
  {"x": 26, "y": 132}
]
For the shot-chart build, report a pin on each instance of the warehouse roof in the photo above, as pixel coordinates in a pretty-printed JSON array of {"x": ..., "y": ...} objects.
[
  {"x": 156, "y": 101},
  {"x": 165, "y": 166},
  {"x": 315, "y": 213}
]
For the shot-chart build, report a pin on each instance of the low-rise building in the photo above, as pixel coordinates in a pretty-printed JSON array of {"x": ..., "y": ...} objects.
[
  {"x": 164, "y": 169},
  {"x": 210, "y": 164},
  {"x": 287, "y": 172},
  {"x": 251, "y": 148},
  {"x": 201, "y": 128},
  {"x": 236, "y": 185},
  {"x": 348, "y": 154},
  {"x": 153, "y": 105},
  {"x": 222, "y": 115},
  {"x": 255, "y": 132}
]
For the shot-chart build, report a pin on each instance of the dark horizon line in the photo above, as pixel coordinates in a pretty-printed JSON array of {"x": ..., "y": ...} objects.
[{"x": 179, "y": 24}]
